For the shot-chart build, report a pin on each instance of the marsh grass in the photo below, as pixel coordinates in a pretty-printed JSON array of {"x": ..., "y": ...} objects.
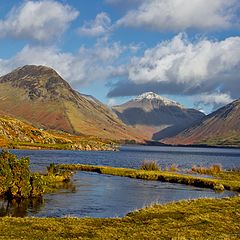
[
  {"x": 223, "y": 180},
  {"x": 150, "y": 166},
  {"x": 212, "y": 170}
]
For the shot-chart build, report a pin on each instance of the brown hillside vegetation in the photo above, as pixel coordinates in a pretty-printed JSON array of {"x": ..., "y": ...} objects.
[{"x": 17, "y": 134}]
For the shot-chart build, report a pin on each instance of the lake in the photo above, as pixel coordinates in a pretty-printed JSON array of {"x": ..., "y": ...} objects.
[{"x": 94, "y": 195}]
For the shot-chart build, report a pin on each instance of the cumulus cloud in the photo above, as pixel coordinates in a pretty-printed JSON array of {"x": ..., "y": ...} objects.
[
  {"x": 87, "y": 65},
  {"x": 38, "y": 20},
  {"x": 179, "y": 15},
  {"x": 215, "y": 99},
  {"x": 181, "y": 67},
  {"x": 100, "y": 26}
]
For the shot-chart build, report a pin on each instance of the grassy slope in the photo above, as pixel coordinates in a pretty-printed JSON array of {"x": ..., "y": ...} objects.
[
  {"x": 195, "y": 219},
  {"x": 230, "y": 140}
]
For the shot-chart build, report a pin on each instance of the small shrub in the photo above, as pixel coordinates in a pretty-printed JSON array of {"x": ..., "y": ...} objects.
[
  {"x": 14, "y": 176},
  {"x": 52, "y": 169},
  {"x": 5, "y": 173},
  {"x": 37, "y": 184},
  {"x": 150, "y": 166}
]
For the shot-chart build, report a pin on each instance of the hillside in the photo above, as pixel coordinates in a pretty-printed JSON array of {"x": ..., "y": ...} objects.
[
  {"x": 17, "y": 134},
  {"x": 38, "y": 95},
  {"x": 157, "y": 116},
  {"x": 221, "y": 128}
]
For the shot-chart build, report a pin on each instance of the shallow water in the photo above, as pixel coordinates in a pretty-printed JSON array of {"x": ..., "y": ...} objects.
[{"x": 94, "y": 195}]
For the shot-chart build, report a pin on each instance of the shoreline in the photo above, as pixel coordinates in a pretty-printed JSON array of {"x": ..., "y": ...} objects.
[{"x": 160, "y": 144}]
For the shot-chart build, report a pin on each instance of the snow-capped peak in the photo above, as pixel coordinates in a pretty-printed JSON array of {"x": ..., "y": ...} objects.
[{"x": 154, "y": 96}]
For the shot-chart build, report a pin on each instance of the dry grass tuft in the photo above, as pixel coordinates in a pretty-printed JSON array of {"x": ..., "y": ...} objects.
[
  {"x": 150, "y": 166},
  {"x": 172, "y": 168},
  {"x": 214, "y": 169}
]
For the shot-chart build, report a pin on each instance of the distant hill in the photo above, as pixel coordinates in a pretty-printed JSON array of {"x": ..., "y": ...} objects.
[
  {"x": 221, "y": 128},
  {"x": 156, "y": 116},
  {"x": 17, "y": 134},
  {"x": 39, "y": 96}
]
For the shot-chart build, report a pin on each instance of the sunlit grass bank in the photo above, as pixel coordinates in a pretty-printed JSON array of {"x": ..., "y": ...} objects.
[
  {"x": 223, "y": 180},
  {"x": 195, "y": 219}
]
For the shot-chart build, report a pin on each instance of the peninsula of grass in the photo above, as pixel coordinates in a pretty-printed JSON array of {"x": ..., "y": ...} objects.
[
  {"x": 228, "y": 180},
  {"x": 195, "y": 219}
]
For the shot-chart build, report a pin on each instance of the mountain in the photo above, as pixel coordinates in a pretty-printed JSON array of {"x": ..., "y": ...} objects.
[
  {"x": 38, "y": 95},
  {"x": 221, "y": 127},
  {"x": 156, "y": 116},
  {"x": 17, "y": 134}
]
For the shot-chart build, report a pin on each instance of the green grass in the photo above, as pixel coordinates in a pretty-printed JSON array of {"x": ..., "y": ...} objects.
[
  {"x": 196, "y": 219},
  {"x": 220, "y": 182}
]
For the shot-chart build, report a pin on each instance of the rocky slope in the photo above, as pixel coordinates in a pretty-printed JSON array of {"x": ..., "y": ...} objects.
[
  {"x": 38, "y": 95},
  {"x": 221, "y": 127},
  {"x": 156, "y": 116}
]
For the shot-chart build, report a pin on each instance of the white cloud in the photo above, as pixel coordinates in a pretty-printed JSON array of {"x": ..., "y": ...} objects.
[
  {"x": 183, "y": 62},
  {"x": 87, "y": 65},
  {"x": 214, "y": 99},
  {"x": 179, "y": 15},
  {"x": 38, "y": 20},
  {"x": 100, "y": 26},
  {"x": 182, "y": 67}
]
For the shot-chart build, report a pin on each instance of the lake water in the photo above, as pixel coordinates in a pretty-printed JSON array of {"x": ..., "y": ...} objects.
[{"x": 94, "y": 195}]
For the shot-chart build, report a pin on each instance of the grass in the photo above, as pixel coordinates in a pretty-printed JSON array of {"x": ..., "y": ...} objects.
[
  {"x": 212, "y": 170},
  {"x": 172, "y": 168},
  {"x": 224, "y": 180},
  {"x": 150, "y": 166},
  {"x": 196, "y": 219}
]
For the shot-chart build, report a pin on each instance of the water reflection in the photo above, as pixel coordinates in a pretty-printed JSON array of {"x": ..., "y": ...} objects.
[
  {"x": 32, "y": 206},
  {"x": 20, "y": 207}
]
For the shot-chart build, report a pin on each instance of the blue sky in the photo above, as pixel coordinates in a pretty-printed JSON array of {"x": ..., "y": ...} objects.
[{"x": 116, "y": 49}]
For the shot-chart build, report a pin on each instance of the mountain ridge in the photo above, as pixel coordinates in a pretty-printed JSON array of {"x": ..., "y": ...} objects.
[
  {"x": 157, "y": 116},
  {"x": 41, "y": 97},
  {"x": 215, "y": 128}
]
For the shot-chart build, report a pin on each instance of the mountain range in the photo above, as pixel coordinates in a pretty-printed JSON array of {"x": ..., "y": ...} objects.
[
  {"x": 156, "y": 116},
  {"x": 39, "y": 96},
  {"x": 37, "y": 105}
]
